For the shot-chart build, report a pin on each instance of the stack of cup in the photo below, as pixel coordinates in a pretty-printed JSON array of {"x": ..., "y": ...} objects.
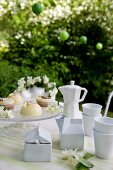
[
  {"x": 90, "y": 112},
  {"x": 103, "y": 137}
]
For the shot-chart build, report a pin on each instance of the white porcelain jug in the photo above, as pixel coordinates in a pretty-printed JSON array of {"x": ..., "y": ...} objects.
[
  {"x": 71, "y": 95},
  {"x": 37, "y": 91}
]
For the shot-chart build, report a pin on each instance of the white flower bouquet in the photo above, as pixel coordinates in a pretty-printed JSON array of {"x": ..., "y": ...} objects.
[{"x": 25, "y": 83}]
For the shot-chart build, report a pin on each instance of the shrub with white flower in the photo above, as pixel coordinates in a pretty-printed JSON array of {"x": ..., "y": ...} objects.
[{"x": 44, "y": 82}]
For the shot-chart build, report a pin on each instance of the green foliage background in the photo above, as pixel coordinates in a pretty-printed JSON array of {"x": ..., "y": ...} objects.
[{"x": 30, "y": 44}]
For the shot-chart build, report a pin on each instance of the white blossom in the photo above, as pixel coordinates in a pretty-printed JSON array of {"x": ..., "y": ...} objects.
[
  {"x": 11, "y": 4},
  {"x": 29, "y": 35},
  {"x": 22, "y": 41},
  {"x": 1, "y": 108},
  {"x": 21, "y": 81},
  {"x": 53, "y": 92},
  {"x": 3, "y": 44},
  {"x": 37, "y": 79},
  {"x": 6, "y": 113},
  {"x": 20, "y": 89},
  {"x": 29, "y": 81},
  {"x": 22, "y": 5},
  {"x": 53, "y": 107},
  {"x": 51, "y": 84},
  {"x": 3, "y": 2},
  {"x": 45, "y": 79},
  {"x": 21, "y": 84},
  {"x": 18, "y": 36}
]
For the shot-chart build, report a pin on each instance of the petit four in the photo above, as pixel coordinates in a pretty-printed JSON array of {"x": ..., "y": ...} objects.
[
  {"x": 7, "y": 103},
  {"x": 31, "y": 109},
  {"x": 43, "y": 101},
  {"x": 17, "y": 98}
]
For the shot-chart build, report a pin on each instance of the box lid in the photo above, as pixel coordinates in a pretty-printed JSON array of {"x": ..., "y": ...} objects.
[
  {"x": 38, "y": 136},
  {"x": 72, "y": 126}
]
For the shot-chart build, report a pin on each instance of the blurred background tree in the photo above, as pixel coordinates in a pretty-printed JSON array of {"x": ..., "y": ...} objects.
[{"x": 31, "y": 45}]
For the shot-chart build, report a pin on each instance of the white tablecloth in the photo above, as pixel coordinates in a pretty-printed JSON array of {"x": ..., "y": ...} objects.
[{"x": 11, "y": 153}]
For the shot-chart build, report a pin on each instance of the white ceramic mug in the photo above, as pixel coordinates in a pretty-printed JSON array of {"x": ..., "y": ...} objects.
[
  {"x": 103, "y": 145},
  {"x": 104, "y": 125},
  {"x": 91, "y": 109},
  {"x": 88, "y": 123}
]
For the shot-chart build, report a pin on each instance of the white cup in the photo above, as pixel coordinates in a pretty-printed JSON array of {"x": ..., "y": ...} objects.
[
  {"x": 104, "y": 125},
  {"x": 103, "y": 145},
  {"x": 88, "y": 123},
  {"x": 91, "y": 109}
]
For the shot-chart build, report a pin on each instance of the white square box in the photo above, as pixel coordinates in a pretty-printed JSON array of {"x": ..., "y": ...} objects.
[
  {"x": 71, "y": 133},
  {"x": 38, "y": 146}
]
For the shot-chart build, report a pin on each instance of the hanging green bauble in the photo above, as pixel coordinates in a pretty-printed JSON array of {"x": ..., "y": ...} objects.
[
  {"x": 37, "y": 8},
  {"x": 99, "y": 46},
  {"x": 64, "y": 35},
  {"x": 83, "y": 39}
]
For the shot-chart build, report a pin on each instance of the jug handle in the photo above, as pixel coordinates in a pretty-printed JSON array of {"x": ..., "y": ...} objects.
[
  {"x": 84, "y": 95},
  {"x": 108, "y": 103}
]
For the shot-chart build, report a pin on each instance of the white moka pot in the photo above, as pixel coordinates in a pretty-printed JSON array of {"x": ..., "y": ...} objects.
[{"x": 71, "y": 95}]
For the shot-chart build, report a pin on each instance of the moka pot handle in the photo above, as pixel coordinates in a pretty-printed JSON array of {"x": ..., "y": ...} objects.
[{"x": 84, "y": 94}]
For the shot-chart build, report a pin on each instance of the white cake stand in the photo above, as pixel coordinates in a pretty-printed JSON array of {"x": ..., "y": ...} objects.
[{"x": 19, "y": 126}]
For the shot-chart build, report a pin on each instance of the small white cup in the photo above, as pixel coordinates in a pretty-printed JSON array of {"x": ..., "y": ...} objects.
[
  {"x": 104, "y": 125},
  {"x": 88, "y": 123},
  {"x": 91, "y": 109},
  {"x": 103, "y": 145}
]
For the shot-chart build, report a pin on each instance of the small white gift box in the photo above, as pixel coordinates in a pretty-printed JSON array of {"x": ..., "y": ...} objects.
[
  {"x": 71, "y": 133},
  {"x": 38, "y": 145}
]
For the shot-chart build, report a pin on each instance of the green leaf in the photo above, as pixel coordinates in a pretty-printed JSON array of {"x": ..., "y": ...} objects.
[
  {"x": 88, "y": 155},
  {"x": 80, "y": 166},
  {"x": 86, "y": 163}
]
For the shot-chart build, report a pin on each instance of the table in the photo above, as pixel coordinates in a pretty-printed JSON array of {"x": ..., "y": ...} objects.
[{"x": 11, "y": 153}]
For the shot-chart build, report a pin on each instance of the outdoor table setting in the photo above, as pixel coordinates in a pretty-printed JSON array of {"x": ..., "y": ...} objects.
[
  {"x": 11, "y": 153},
  {"x": 52, "y": 134},
  {"x": 56, "y": 64}
]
